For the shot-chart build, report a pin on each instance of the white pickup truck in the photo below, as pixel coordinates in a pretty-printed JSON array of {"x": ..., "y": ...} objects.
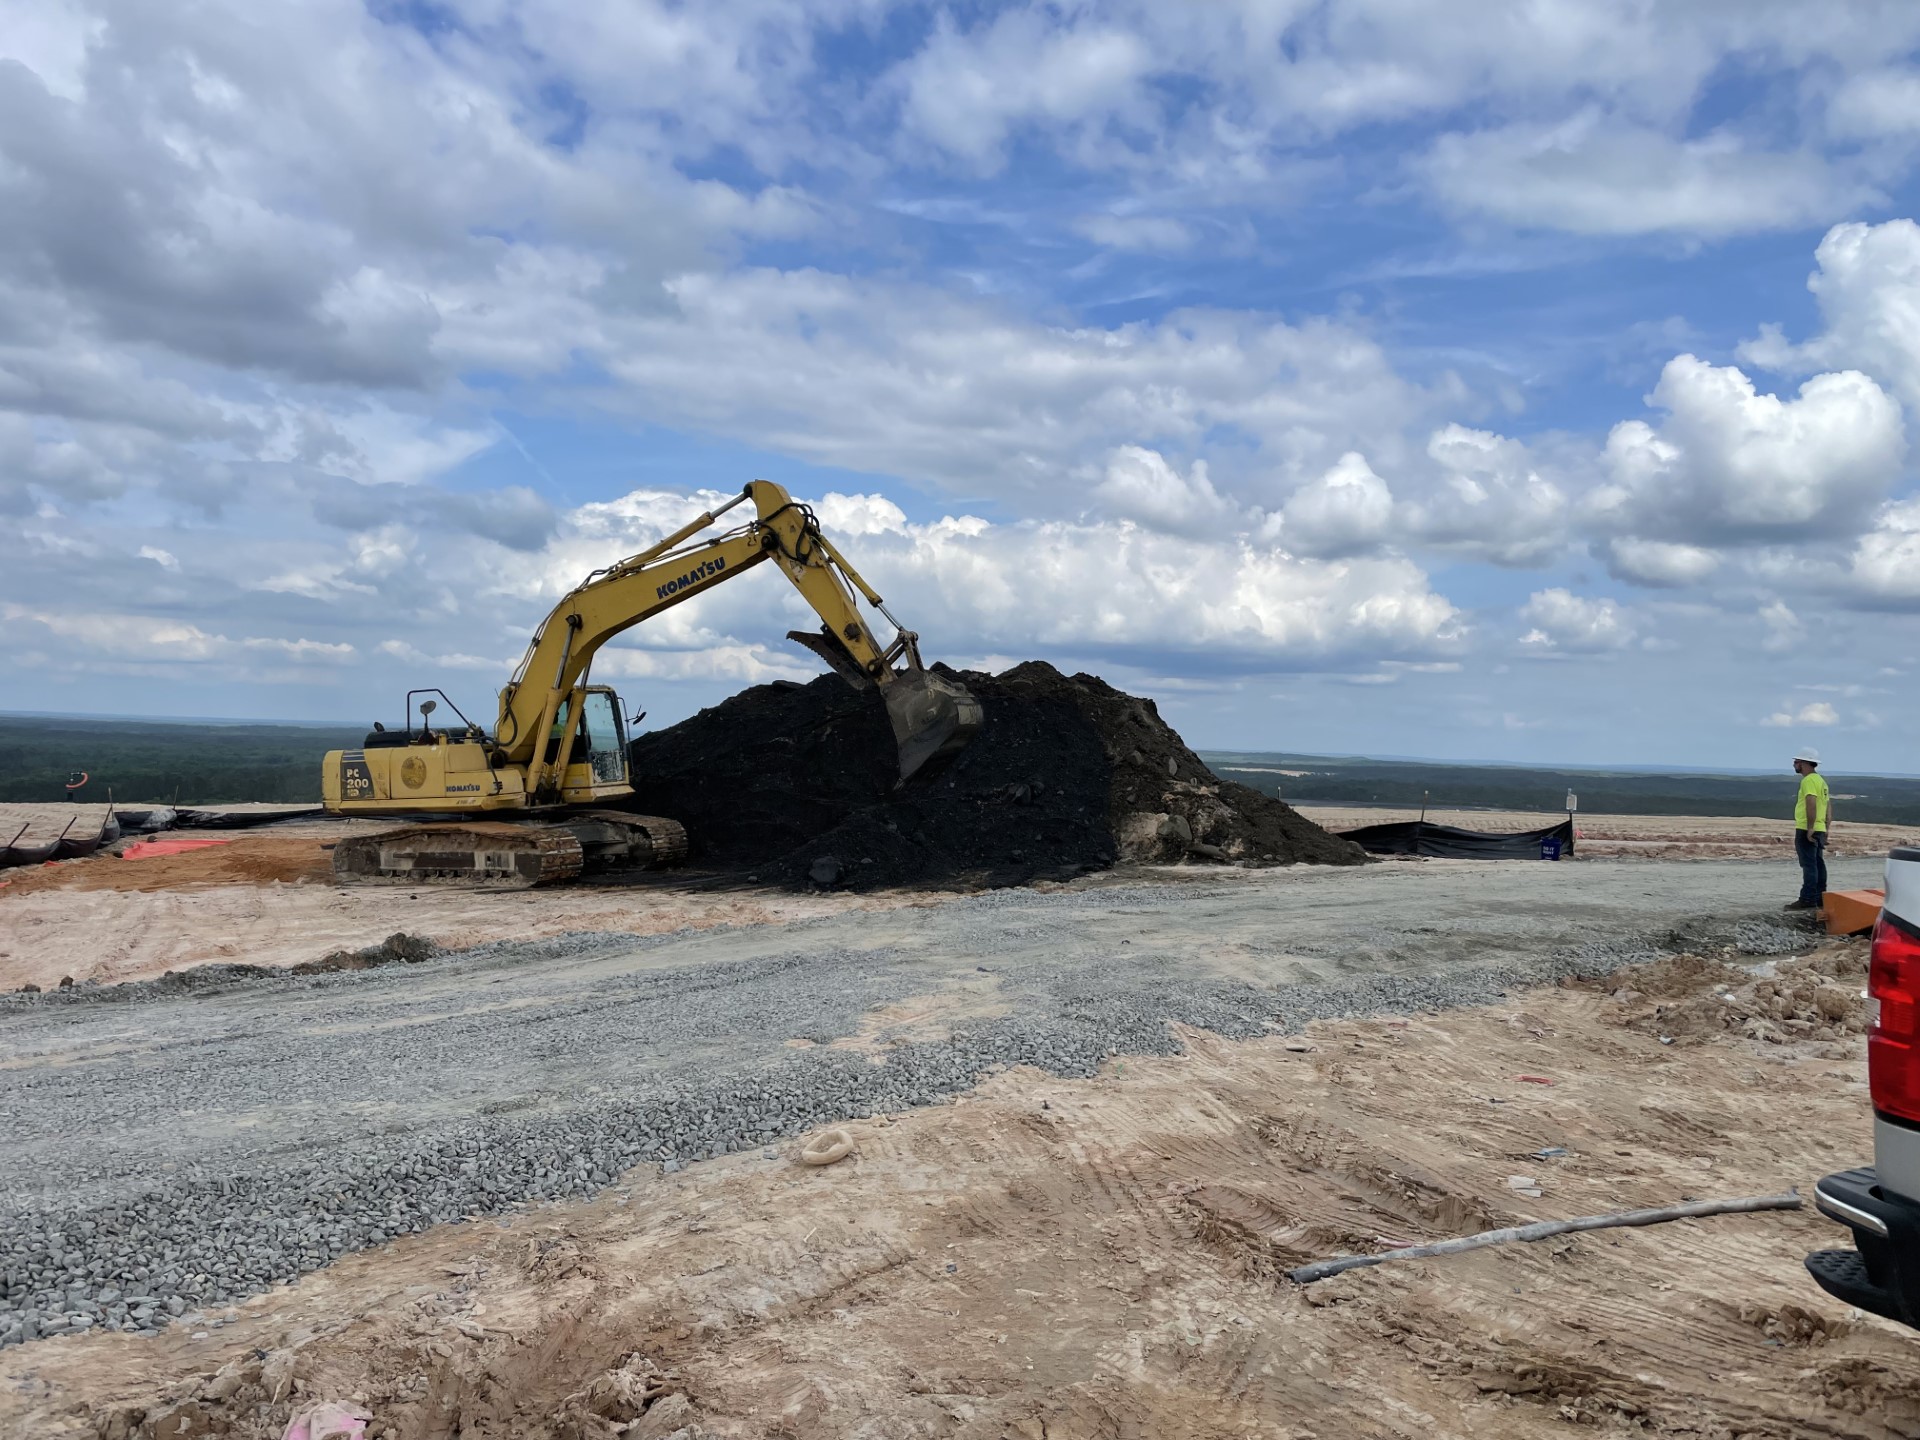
[{"x": 1881, "y": 1203}]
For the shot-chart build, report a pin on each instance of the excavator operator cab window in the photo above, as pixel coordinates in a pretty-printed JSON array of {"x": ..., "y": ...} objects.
[
  {"x": 561, "y": 719},
  {"x": 605, "y": 737}
]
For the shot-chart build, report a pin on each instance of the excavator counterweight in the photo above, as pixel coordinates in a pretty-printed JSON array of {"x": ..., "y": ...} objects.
[{"x": 542, "y": 797}]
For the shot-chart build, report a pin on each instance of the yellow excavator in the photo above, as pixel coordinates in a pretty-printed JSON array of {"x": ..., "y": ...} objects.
[{"x": 528, "y": 805}]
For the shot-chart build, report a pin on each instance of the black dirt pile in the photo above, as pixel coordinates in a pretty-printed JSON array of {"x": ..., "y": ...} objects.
[{"x": 796, "y": 784}]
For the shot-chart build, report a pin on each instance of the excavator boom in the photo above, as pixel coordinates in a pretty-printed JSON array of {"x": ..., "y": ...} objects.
[{"x": 932, "y": 717}]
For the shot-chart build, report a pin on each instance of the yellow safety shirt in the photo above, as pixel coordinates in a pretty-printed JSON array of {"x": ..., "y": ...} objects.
[{"x": 1814, "y": 784}]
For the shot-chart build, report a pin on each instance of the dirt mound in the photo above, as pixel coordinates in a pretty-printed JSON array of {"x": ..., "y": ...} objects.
[
  {"x": 798, "y": 784},
  {"x": 397, "y": 949},
  {"x": 1688, "y": 998}
]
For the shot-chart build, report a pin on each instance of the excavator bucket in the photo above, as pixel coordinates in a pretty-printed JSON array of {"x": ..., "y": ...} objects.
[{"x": 933, "y": 719}]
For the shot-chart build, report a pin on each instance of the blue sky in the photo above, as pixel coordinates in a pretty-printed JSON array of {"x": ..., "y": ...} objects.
[{"x": 1510, "y": 381}]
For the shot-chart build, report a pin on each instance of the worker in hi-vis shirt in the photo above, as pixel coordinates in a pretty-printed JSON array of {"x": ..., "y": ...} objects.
[{"x": 1810, "y": 810}]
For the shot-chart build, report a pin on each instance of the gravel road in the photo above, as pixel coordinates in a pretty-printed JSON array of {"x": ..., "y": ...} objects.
[{"x": 168, "y": 1150}]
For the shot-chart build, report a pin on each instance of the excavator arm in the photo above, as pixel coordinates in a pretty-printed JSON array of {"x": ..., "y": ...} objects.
[{"x": 932, "y": 717}]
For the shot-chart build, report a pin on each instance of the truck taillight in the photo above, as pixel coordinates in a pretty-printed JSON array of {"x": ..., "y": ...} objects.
[{"x": 1893, "y": 1041}]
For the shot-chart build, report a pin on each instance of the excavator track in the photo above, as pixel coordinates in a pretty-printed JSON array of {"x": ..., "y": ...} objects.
[
  {"x": 505, "y": 855},
  {"x": 617, "y": 839},
  {"x": 494, "y": 855},
  {"x": 669, "y": 840}
]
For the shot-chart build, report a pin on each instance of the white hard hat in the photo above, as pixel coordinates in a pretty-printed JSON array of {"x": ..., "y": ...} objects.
[{"x": 1808, "y": 754}]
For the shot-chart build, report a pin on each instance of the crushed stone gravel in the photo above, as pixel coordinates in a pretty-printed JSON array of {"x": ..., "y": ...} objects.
[{"x": 182, "y": 1143}]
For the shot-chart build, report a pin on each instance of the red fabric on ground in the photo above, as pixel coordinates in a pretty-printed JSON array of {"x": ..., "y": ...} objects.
[{"x": 166, "y": 845}]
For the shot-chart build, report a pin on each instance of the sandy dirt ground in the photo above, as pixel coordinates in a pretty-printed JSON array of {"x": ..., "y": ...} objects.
[
  {"x": 266, "y": 896},
  {"x": 80, "y": 818},
  {"x": 1653, "y": 837},
  {"x": 111, "y": 934},
  {"x": 1049, "y": 1259},
  {"x": 33, "y": 823}
]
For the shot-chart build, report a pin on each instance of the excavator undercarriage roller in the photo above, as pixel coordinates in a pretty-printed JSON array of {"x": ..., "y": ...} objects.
[{"x": 504, "y": 855}]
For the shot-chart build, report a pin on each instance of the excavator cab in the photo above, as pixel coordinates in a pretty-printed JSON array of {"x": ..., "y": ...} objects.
[
  {"x": 600, "y": 742},
  {"x": 604, "y": 729}
]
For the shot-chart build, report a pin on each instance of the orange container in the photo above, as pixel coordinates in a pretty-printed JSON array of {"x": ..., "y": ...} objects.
[{"x": 1852, "y": 912}]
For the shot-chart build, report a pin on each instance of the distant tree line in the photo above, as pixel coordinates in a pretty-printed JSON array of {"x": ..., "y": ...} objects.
[
  {"x": 175, "y": 763},
  {"x": 203, "y": 763}
]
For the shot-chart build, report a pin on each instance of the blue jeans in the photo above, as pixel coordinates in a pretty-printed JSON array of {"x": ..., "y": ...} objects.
[{"x": 1811, "y": 849}]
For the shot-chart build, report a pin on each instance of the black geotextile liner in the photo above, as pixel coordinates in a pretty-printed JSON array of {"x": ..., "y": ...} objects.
[
  {"x": 782, "y": 779},
  {"x": 1445, "y": 842},
  {"x": 241, "y": 819}
]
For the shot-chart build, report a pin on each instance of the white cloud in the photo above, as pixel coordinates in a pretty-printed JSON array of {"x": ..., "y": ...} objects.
[
  {"x": 859, "y": 514},
  {"x": 1884, "y": 568},
  {"x": 1347, "y": 510},
  {"x": 731, "y": 74},
  {"x": 910, "y": 381},
  {"x": 966, "y": 92},
  {"x": 736, "y": 664},
  {"x": 1594, "y": 175},
  {"x": 1491, "y": 503},
  {"x": 1583, "y": 111},
  {"x": 374, "y": 444},
  {"x": 1128, "y": 592},
  {"x": 1868, "y": 286},
  {"x": 1087, "y": 587},
  {"x": 1159, "y": 233},
  {"x": 1816, "y": 713},
  {"x": 1140, "y": 485},
  {"x": 1659, "y": 562},
  {"x": 1784, "y": 630},
  {"x": 261, "y": 286},
  {"x": 1875, "y": 104},
  {"x": 122, "y": 637},
  {"x": 1729, "y": 465},
  {"x": 1563, "y": 621},
  {"x": 37, "y": 459},
  {"x": 413, "y": 655},
  {"x": 49, "y": 38}
]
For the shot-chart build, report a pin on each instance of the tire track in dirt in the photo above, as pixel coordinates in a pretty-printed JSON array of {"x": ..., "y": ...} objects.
[{"x": 1068, "y": 1259}]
